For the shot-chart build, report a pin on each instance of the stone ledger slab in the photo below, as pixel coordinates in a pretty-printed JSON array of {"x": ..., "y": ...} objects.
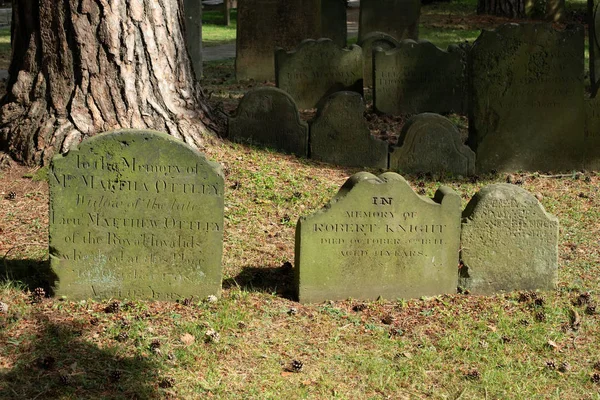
[
  {"x": 527, "y": 110},
  {"x": 269, "y": 117},
  {"x": 136, "y": 215},
  {"x": 368, "y": 43},
  {"x": 340, "y": 134},
  {"x": 417, "y": 77},
  {"x": 508, "y": 242},
  {"x": 316, "y": 69},
  {"x": 431, "y": 143},
  {"x": 377, "y": 237},
  {"x": 397, "y": 18}
]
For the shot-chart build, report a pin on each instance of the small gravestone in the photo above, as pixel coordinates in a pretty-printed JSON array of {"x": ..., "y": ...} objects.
[
  {"x": 376, "y": 238},
  {"x": 431, "y": 143},
  {"x": 370, "y": 42},
  {"x": 136, "y": 214},
  {"x": 263, "y": 25},
  {"x": 333, "y": 21},
  {"x": 418, "y": 77},
  {"x": 269, "y": 117},
  {"x": 508, "y": 242},
  {"x": 316, "y": 69},
  {"x": 526, "y": 103},
  {"x": 193, "y": 34},
  {"x": 398, "y": 18},
  {"x": 340, "y": 134},
  {"x": 592, "y": 134}
]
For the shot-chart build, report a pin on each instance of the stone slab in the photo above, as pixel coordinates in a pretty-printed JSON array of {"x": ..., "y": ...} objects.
[
  {"x": 136, "y": 215},
  {"x": 508, "y": 242},
  {"x": 333, "y": 21},
  {"x": 417, "y": 77},
  {"x": 340, "y": 135},
  {"x": 193, "y": 34},
  {"x": 430, "y": 143},
  {"x": 316, "y": 69},
  {"x": 398, "y": 18},
  {"x": 527, "y": 110},
  {"x": 377, "y": 237},
  {"x": 370, "y": 42},
  {"x": 269, "y": 117}
]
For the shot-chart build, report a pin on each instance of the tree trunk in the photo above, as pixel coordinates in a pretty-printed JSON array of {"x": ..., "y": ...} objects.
[{"x": 81, "y": 67}]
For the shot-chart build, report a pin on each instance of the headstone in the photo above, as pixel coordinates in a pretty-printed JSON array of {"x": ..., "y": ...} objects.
[
  {"x": 370, "y": 42},
  {"x": 592, "y": 134},
  {"x": 527, "y": 110},
  {"x": 136, "y": 214},
  {"x": 193, "y": 34},
  {"x": 263, "y": 25},
  {"x": 594, "y": 43},
  {"x": 508, "y": 242},
  {"x": 376, "y": 238},
  {"x": 333, "y": 21},
  {"x": 340, "y": 134},
  {"x": 430, "y": 143},
  {"x": 398, "y": 18},
  {"x": 317, "y": 69},
  {"x": 418, "y": 77},
  {"x": 269, "y": 117}
]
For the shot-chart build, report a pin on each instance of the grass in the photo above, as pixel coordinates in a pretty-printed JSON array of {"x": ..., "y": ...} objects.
[{"x": 214, "y": 32}]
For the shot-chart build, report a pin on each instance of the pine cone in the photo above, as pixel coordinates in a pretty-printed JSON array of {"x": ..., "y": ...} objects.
[
  {"x": 551, "y": 365},
  {"x": 38, "y": 295},
  {"x": 297, "y": 366},
  {"x": 122, "y": 336},
  {"x": 115, "y": 376},
  {"x": 113, "y": 307},
  {"x": 167, "y": 383},
  {"x": 473, "y": 375},
  {"x": 155, "y": 345},
  {"x": 11, "y": 196},
  {"x": 595, "y": 377},
  {"x": 590, "y": 309}
]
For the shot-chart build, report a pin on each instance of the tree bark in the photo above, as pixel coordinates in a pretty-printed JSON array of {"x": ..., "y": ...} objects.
[{"x": 81, "y": 67}]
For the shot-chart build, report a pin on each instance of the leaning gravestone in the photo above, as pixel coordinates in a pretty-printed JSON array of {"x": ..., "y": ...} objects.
[
  {"x": 193, "y": 34},
  {"x": 340, "y": 135},
  {"x": 333, "y": 21},
  {"x": 431, "y": 143},
  {"x": 398, "y": 18},
  {"x": 508, "y": 242},
  {"x": 592, "y": 134},
  {"x": 527, "y": 110},
  {"x": 136, "y": 214},
  {"x": 269, "y": 117},
  {"x": 370, "y": 42},
  {"x": 418, "y": 77},
  {"x": 263, "y": 25},
  {"x": 377, "y": 237},
  {"x": 316, "y": 69}
]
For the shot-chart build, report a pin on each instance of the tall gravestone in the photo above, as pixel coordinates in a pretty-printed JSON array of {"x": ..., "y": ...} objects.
[
  {"x": 333, "y": 21},
  {"x": 136, "y": 214},
  {"x": 526, "y": 103},
  {"x": 592, "y": 134},
  {"x": 508, "y": 242},
  {"x": 368, "y": 43},
  {"x": 340, "y": 134},
  {"x": 316, "y": 69},
  {"x": 418, "y": 77},
  {"x": 193, "y": 34},
  {"x": 269, "y": 117},
  {"x": 263, "y": 25},
  {"x": 377, "y": 237},
  {"x": 398, "y": 18},
  {"x": 431, "y": 143}
]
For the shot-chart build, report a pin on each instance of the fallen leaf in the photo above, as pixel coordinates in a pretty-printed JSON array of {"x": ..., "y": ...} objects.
[
  {"x": 552, "y": 344},
  {"x": 286, "y": 373},
  {"x": 187, "y": 339}
]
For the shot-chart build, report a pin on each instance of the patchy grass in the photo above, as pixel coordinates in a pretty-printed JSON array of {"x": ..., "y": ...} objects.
[
  {"x": 214, "y": 32},
  {"x": 5, "y": 50}
]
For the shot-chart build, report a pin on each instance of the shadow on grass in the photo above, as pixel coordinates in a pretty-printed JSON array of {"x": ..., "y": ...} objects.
[
  {"x": 31, "y": 273},
  {"x": 58, "y": 363},
  {"x": 278, "y": 280}
]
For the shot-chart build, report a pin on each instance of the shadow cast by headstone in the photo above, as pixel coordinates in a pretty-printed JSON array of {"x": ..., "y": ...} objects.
[
  {"x": 276, "y": 280},
  {"x": 59, "y": 363},
  {"x": 32, "y": 273}
]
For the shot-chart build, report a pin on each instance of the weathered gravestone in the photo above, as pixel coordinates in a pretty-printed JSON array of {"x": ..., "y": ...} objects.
[
  {"x": 269, "y": 117},
  {"x": 333, "y": 21},
  {"x": 316, "y": 69},
  {"x": 508, "y": 242},
  {"x": 418, "y": 77},
  {"x": 431, "y": 143},
  {"x": 398, "y": 18},
  {"x": 592, "y": 134},
  {"x": 263, "y": 25},
  {"x": 193, "y": 34},
  {"x": 594, "y": 43},
  {"x": 340, "y": 135},
  {"x": 377, "y": 237},
  {"x": 370, "y": 42},
  {"x": 136, "y": 214},
  {"x": 526, "y": 103}
]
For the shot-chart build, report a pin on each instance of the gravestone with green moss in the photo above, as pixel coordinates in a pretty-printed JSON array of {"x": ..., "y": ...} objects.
[
  {"x": 136, "y": 215},
  {"x": 377, "y": 237},
  {"x": 369, "y": 43},
  {"x": 508, "y": 242}
]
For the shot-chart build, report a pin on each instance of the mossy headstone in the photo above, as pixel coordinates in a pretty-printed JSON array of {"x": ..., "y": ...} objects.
[
  {"x": 316, "y": 69},
  {"x": 269, "y": 117},
  {"x": 430, "y": 143},
  {"x": 370, "y": 42},
  {"x": 377, "y": 237},
  {"x": 508, "y": 242},
  {"x": 340, "y": 134},
  {"x": 137, "y": 215},
  {"x": 398, "y": 18}
]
